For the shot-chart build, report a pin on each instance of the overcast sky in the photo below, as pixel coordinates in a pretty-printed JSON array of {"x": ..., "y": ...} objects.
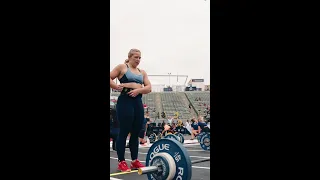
[{"x": 173, "y": 36}]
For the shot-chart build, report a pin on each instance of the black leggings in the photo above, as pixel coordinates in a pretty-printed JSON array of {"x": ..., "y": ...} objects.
[{"x": 130, "y": 115}]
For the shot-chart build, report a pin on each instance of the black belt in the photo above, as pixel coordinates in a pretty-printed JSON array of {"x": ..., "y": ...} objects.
[{"x": 125, "y": 91}]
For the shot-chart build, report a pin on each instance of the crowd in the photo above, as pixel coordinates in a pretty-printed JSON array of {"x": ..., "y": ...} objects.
[
  {"x": 172, "y": 124},
  {"x": 193, "y": 127}
]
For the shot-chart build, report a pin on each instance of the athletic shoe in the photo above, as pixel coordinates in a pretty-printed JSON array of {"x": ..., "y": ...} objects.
[
  {"x": 122, "y": 166},
  {"x": 136, "y": 164}
]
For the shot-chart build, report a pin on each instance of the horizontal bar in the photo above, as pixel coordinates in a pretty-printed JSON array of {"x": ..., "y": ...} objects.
[
  {"x": 146, "y": 170},
  {"x": 121, "y": 173}
]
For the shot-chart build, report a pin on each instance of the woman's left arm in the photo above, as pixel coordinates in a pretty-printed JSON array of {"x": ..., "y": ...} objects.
[{"x": 147, "y": 85}]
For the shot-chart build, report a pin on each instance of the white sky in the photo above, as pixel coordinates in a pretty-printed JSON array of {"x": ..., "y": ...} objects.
[{"x": 173, "y": 36}]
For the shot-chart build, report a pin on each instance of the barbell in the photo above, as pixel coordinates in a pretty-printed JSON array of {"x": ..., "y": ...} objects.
[
  {"x": 167, "y": 159},
  {"x": 177, "y": 136},
  {"x": 203, "y": 138}
]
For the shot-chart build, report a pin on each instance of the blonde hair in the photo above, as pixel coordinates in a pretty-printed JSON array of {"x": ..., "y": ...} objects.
[{"x": 131, "y": 52}]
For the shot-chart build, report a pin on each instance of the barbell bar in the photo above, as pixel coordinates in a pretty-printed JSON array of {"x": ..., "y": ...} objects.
[{"x": 167, "y": 159}]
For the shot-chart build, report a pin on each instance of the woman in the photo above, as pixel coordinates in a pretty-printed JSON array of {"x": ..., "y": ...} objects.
[
  {"x": 188, "y": 127},
  {"x": 130, "y": 111}
]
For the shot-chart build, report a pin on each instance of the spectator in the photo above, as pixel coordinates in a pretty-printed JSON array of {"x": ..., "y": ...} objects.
[
  {"x": 163, "y": 115},
  {"x": 176, "y": 115},
  {"x": 202, "y": 125},
  {"x": 114, "y": 127},
  {"x": 170, "y": 120},
  {"x": 147, "y": 116},
  {"x": 194, "y": 128},
  {"x": 149, "y": 127},
  {"x": 188, "y": 127},
  {"x": 187, "y": 123},
  {"x": 163, "y": 124},
  {"x": 175, "y": 121},
  {"x": 179, "y": 124},
  {"x": 167, "y": 129},
  {"x": 142, "y": 133},
  {"x": 174, "y": 126}
]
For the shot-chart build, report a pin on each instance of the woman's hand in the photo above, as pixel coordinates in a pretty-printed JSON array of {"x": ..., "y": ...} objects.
[
  {"x": 134, "y": 93},
  {"x": 119, "y": 87}
]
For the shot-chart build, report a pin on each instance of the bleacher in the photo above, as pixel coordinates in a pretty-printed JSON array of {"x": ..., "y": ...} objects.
[
  {"x": 199, "y": 105},
  {"x": 150, "y": 101},
  {"x": 172, "y": 102}
]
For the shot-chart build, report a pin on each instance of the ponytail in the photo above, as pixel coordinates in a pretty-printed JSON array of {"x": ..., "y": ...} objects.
[{"x": 126, "y": 61}]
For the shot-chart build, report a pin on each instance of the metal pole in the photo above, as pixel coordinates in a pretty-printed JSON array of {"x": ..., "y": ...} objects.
[
  {"x": 169, "y": 80},
  {"x": 177, "y": 84}
]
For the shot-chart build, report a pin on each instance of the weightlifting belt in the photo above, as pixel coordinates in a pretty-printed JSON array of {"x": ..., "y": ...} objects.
[{"x": 125, "y": 91}]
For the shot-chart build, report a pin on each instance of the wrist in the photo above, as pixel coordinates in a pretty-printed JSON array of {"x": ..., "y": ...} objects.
[{"x": 139, "y": 90}]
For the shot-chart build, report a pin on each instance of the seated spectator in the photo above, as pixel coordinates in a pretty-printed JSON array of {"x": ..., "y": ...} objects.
[
  {"x": 195, "y": 129},
  {"x": 170, "y": 120},
  {"x": 187, "y": 127},
  {"x": 202, "y": 125},
  {"x": 173, "y": 126},
  {"x": 167, "y": 129}
]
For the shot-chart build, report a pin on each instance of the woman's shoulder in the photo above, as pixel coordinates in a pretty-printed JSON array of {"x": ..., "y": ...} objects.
[
  {"x": 121, "y": 66},
  {"x": 143, "y": 72}
]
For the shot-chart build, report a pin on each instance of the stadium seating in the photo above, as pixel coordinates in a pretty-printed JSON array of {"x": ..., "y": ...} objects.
[
  {"x": 171, "y": 102},
  {"x": 174, "y": 102},
  {"x": 199, "y": 104}
]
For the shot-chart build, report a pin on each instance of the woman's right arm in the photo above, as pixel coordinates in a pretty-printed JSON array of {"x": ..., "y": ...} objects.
[{"x": 113, "y": 74}]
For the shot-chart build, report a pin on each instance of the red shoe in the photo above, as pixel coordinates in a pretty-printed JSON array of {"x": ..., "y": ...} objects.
[
  {"x": 122, "y": 166},
  {"x": 136, "y": 164}
]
